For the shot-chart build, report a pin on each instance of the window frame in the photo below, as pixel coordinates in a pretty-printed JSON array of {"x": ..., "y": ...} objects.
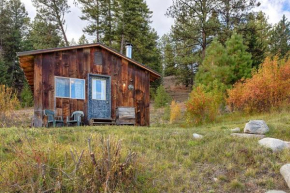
[{"x": 70, "y": 79}]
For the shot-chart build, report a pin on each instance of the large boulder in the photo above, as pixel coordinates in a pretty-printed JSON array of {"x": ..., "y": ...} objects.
[
  {"x": 274, "y": 144},
  {"x": 285, "y": 172},
  {"x": 256, "y": 127}
]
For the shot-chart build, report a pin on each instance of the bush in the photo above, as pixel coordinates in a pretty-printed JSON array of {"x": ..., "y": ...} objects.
[
  {"x": 162, "y": 98},
  {"x": 268, "y": 88},
  {"x": 103, "y": 167},
  {"x": 8, "y": 103},
  {"x": 203, "y": 106},
  {"x": 175, "y": 112},
  {"x": 26, "y": 96}
]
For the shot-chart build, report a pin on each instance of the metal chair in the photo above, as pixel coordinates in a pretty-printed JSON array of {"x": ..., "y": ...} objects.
[
  {"x": 77, "y": 118},
  {"x": 52, "y": 119}
]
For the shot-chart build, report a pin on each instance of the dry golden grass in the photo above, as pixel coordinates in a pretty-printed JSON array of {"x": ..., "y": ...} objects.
[{"x": 168, "y": 159}]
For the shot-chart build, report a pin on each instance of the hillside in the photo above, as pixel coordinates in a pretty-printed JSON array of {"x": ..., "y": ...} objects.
[
  {"x": 177, "y": 91},
  {"x": 169, "y": 159}
]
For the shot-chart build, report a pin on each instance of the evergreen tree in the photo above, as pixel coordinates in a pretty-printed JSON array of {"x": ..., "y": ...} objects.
[
  {"x": 256, "y": 35},
  {"x": 223, "y": 66},
  {"x": 43, "y": 34},
  {"x": 26, "y": 96},
  {"x": 3, "y": 72},
  {"x": 54, "y": 11},
  {"x": 280, "y": 38},
  {"x": 215, "y": 67},
  {"x": 167, "y": 51},
  {"x": 239, "y": 59},
  {"x": 92, "y": 12},
  {"x": 195, "y": 20},
  {"x": 83, "y": 40},
  {"x": 14, "y": 20},
  {"x": 232, "y": 13}
]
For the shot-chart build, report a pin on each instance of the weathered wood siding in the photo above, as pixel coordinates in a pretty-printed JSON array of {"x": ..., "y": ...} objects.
[{"x": 79, "y": 63}]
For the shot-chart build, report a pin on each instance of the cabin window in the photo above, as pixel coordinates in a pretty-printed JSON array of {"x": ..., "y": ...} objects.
[
  {"x": 99, "y": 89},
  {"x": 98, "y": 58},
  {"x": 70, "y": 88}
]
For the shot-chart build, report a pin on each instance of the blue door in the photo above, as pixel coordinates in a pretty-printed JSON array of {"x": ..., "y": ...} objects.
[{"x": 99, "y": 104}]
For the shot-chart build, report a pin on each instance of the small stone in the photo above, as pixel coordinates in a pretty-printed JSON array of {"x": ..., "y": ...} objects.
[
  {"x": 256, "y": 127},
  {"x": 197, "y": 136},
  {"x": 245, "y": 135},
  {"x": 274, "y": 144},
  {"x": 285, "y": 172},
  {"x": 236, "y": 130},
  {"x": 275, "y": 191},
  {"x": 215, "y": 179}
]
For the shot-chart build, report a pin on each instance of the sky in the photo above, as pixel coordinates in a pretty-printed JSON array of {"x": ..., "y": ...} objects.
[{"x": 274, "y": 9}]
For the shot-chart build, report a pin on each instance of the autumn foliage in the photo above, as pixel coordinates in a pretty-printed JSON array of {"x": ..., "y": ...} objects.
[
  {"x": 175, "y": 112},
  {"x": 202, "y": 106},
  {"x": 268, "y": 88}
]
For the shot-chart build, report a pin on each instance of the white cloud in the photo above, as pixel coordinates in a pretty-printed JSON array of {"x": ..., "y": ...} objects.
[{"x": 274, "y": 9}]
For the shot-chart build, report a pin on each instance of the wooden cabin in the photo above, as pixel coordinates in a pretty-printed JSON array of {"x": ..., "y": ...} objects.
[{"x": 92, "y": 78}]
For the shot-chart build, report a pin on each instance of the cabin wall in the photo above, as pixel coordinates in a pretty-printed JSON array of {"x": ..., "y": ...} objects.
[{"x": 79, "y": 63}]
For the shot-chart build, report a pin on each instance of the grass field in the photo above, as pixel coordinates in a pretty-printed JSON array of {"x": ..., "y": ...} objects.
[{"x": 168, "y": 159}]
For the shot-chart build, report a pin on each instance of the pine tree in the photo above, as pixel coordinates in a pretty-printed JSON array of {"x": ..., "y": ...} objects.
[
  {"x": 215, "y": 67},
  {"x": 256, "y": 35},
  {"x": 54, "y": 11},
  {"x": 280, "y": 38},
  {"x": 83, "y": 40},
  {"x": 232, "y": 13},
  {"x": 239, "y": 59},
  {"x": 43, "y": 34},
  {"x": 15, "y": 21},
  {"x": 223, "y": 66},
  {"x": 167, "y": 51}
]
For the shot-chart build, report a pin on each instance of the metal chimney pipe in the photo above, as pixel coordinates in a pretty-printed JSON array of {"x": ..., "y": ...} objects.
[{"x": 129, "y": 48}]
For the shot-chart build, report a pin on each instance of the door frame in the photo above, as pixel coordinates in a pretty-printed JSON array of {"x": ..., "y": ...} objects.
[{"x": 109, "y": 79}]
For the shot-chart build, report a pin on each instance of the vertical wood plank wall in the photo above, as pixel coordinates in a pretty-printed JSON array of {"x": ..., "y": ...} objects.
[{"x": 79, "y": 63}]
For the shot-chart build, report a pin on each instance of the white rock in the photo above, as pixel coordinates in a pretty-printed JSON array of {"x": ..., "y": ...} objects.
[
  {"x": 245, "y": 135},
  {"x": 236, "y": 130},
  {"x": 197, "y": 136},
  {"x": 256, "y": 127},
  {"x": 275, "y": 191},
  {"x": 272, "y": 143},
  {"x": 285, "y": 172}
]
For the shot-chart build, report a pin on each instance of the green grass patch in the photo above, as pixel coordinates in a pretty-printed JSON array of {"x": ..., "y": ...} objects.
[{"x": 168, "y": 159}]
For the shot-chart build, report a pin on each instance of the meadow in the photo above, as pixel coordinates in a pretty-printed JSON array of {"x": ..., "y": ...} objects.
[{"x": 163, "y": 158}]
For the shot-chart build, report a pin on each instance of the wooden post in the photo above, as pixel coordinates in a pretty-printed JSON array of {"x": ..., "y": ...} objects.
[{"x": 38, "y": 92}]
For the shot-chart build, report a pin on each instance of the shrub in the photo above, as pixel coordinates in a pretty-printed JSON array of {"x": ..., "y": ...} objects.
[
  {"x": 103, "y": 167},
  {"x": 26, "y": 96},
  {"x": 8, "y": 103},
  {"x": 162, "y": 98},
  {"x": 175, "y": 112},
  {"x": 203, "y": 106},
  {"x": 268, "y": 88}
]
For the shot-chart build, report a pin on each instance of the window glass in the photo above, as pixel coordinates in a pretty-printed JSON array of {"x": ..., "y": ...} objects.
[
  {"x": 62, "y": 87},
  {"x": 77, "y": 88},
  {"x": 99, "y": 89}
]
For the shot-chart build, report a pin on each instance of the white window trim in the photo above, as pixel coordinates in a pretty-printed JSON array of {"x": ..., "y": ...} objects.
[{"x": 70, "y": 79}]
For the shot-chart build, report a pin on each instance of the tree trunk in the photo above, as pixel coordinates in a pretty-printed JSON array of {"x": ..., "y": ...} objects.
[{"x": 122, "y": 44}]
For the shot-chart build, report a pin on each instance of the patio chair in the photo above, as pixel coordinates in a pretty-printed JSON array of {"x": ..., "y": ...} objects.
[
  {"x": 52, "y": 119},
  {"x": 77, "y": 118}
]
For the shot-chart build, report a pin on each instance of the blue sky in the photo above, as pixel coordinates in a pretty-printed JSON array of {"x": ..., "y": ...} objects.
[{"x": 274, "y": 9}]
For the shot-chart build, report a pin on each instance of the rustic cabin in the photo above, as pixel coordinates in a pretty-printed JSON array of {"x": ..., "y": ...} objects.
[{"x": 106, "y": 86}]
